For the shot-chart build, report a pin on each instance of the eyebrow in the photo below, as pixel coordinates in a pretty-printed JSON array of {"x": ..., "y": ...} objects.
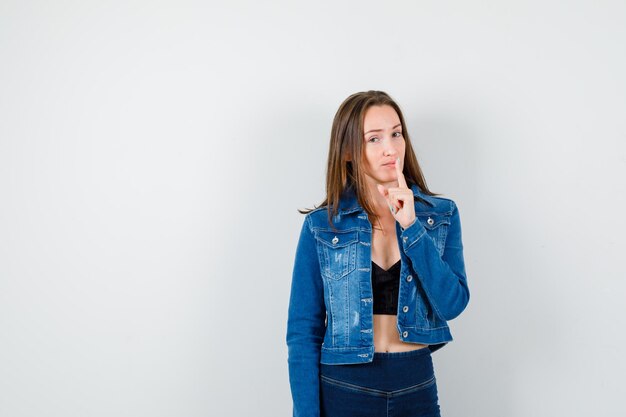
[{"x": 380, "y": 130}]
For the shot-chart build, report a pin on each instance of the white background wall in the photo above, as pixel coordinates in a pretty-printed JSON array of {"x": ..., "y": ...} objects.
[{"x": 153, "y": 155}]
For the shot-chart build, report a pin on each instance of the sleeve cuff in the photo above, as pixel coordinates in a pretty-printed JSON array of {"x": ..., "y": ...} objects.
[
  {"x": 413, "y": 233},
  {"x": 414, "y": 220}
]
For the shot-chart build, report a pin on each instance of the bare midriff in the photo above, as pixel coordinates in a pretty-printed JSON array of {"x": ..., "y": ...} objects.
[{"x": 386, "y": 336}]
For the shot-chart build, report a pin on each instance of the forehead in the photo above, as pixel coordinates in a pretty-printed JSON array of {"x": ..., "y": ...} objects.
[{"x": 380, "y": 117}]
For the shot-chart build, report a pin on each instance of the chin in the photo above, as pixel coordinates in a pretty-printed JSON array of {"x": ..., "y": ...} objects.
[{"x": 388, "y": 178}]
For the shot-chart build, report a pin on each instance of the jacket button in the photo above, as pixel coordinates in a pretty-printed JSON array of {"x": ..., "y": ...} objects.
[
  {"x": 404, "y": 239},
  {"x": 409, "y": 278},
  {"x": 405, "y": 308},
  {"x": 335, "y": 240},
  {"x": 405, "y": 333},
  {"x": 430, "y": 221}
]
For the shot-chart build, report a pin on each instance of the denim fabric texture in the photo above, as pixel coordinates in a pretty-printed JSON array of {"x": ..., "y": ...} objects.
[
  {"x": 394, "y": 384},
  {"x": 330, "y": 318}
]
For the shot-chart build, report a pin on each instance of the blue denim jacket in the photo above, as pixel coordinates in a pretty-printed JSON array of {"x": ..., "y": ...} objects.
[{"x": 330, "y": 317}]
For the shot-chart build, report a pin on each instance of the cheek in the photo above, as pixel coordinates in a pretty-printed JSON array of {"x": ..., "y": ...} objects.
[
  {"x": 368, "y": 159},
  {"x": 402, "y": 147}
]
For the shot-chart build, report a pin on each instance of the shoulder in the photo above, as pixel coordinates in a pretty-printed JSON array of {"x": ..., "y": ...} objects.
[
  {"x": 343, "y": 221},
  {"x": 317, "y": 217},
  {"x": 435, "y": 204}
]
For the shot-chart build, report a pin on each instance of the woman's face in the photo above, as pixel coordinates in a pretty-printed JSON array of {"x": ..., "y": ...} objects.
[{"x": 383, "y": 143}]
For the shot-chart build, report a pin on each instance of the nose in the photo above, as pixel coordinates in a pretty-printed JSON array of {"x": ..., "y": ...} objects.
[{"x": 389, "y": 148}]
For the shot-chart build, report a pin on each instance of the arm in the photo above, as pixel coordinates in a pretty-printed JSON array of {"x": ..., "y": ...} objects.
[
  {"x": 442, "y": 277},
  {"x": 305, "y": 326}
]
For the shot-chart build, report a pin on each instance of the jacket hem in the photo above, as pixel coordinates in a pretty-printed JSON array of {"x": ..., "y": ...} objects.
[
  {"x": 346, "y": 356},
  {"x": 427, "y": 336}
]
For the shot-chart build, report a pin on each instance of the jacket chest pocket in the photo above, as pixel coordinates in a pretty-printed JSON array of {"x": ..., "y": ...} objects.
[
  {"x": 337, "y": 252},
  {"x": 436, "y": 226}
]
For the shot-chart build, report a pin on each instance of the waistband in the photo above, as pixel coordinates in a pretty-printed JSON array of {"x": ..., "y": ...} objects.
[
  {"x": 388, "y": 370},
  {"x": 407, "y": 354}
]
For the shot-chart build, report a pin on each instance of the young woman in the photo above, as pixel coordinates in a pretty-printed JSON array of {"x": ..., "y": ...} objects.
[{"x": 378, "y": 273}]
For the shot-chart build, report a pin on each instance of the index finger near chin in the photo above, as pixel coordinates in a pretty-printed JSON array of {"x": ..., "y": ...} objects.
[{"x": 401, "y": 181}]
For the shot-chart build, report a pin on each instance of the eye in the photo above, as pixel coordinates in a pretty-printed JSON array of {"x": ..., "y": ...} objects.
[
  {"x": 372, "y": 139},
  {"x": 397, "y": 134}
]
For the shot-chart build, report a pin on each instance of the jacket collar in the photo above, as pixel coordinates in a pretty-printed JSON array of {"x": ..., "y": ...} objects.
[{"x": 348, "y": 201}]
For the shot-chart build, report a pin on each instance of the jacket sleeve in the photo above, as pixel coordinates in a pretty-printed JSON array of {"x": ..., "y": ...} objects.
[
  {"x": 305, "y": 326},
  {"x": 442, "y": 277}
]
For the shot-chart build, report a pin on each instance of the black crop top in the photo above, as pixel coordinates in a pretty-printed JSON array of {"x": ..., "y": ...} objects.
[{"x": 385, "y": 285}]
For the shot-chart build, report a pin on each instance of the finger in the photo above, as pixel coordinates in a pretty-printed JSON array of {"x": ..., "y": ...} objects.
[
  {"x": 398, "y": 202},
  {"x": 400, "y": 196},
  {"x": 401, "y": 180},
  {"x": 394, "y": 204},
  {"x": 385, "y": 193},
  {"x": 393, "y": 197}
]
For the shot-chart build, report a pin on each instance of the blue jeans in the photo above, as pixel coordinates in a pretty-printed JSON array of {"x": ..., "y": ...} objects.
[{"x": 394, "y": 384}]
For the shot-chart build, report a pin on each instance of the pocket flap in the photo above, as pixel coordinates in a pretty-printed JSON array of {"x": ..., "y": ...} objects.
[
  {"x": 432, "y": 221},
  {"x": 337, "y": 239}
]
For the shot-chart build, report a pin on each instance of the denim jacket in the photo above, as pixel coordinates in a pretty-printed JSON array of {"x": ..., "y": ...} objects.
[{"x": 330, "y": 318}]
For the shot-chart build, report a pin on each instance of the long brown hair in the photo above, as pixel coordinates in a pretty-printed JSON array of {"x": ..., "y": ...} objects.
[{"x": 346, "y": 146}]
